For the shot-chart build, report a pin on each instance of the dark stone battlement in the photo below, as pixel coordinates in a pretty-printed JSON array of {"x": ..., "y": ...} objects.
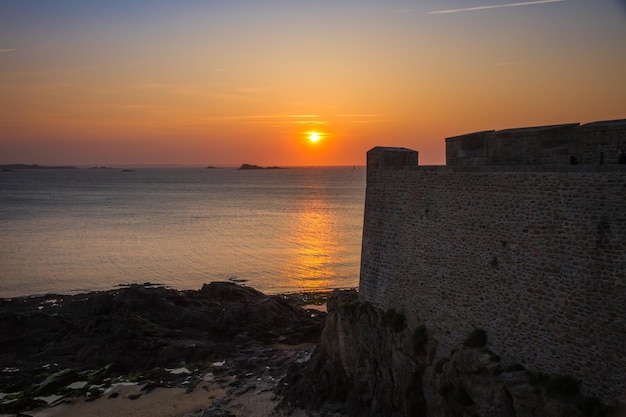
[
  {"x": 597, "y": 143},
  {"x": 510, "y": 238}
]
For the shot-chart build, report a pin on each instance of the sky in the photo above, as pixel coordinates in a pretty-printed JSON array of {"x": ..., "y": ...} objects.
[{"x": 193, "y": 82}]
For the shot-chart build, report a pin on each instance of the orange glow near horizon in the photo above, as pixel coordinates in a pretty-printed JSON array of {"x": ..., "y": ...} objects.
[{"x": 111, "y": 83}]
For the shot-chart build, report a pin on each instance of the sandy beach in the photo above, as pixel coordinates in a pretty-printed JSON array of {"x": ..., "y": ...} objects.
[
  {"x": 219, "y": 351},
  {"x": 163, "y": 402},
  {"x": 173, "y": 402},
  {"x": 249, "y": 396}
]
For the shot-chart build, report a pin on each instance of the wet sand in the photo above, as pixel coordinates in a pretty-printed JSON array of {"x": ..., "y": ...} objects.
[
  {"x": 162, "y": 402},
  {"x": 255, "y": 399}
]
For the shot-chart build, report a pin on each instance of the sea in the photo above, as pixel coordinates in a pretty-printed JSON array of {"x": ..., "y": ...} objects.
[{"x": 69, "y": 231}]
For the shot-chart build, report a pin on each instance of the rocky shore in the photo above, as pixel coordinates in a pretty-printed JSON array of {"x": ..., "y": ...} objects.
[
  {"x": 231, "y": 351},
  {"x": 210, "y": 348},
  {"x": 371, "y": 362}
]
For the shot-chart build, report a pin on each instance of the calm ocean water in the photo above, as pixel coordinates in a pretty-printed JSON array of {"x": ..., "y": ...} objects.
[{"x": 80, "y": 230}]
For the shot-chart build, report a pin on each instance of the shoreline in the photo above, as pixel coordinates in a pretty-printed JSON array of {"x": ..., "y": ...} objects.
[
  {"x": 221, "y": 347},
  {"x": 294, "y": 295}
]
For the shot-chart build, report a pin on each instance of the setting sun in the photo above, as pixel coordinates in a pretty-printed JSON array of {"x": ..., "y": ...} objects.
[
  {"x": 290, "y": 83},
  {"x": 314, "y": 137}
]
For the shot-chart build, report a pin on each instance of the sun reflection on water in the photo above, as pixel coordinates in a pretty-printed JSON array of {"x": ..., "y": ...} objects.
[{"x": 314, "y": 243}]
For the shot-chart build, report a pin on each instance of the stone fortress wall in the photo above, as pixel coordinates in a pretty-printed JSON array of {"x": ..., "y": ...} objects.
[
  {"x": 510, "y": 238},
  {"x": 596, "y": 143}
]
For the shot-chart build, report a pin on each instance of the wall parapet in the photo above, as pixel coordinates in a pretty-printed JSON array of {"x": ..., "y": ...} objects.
[
  {"x": 597, "y": 143},
  {"x": 533, "y": 254},
  {"x": 523, "y": 168},
  {"x": 382, "y": 157}
]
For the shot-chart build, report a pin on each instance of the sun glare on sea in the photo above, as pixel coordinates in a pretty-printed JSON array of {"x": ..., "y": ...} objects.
[{"x": 314, "y": 137}]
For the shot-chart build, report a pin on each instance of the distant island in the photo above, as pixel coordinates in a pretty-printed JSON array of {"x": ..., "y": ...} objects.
[
  {"x": 249, "y": 166},
  {"x": 11, "y": 167}
]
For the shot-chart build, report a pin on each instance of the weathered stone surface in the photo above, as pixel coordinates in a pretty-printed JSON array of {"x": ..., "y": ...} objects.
[
  {"x": 534, "y": 255},
  {"x": 372, "y": 363},
  {"x": 362, "y": 364}
]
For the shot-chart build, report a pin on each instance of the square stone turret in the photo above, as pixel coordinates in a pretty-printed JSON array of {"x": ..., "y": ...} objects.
[{"x": 386, "y": 158}]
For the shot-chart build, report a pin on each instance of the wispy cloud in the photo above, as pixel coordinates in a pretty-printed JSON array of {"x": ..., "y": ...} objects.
[
  {"x": 240, "y": 92},
  {"x": 150, "y": 86},
  {"x": 252, "y": 89},
  {"x": 494, "y": 6},
  {"x": 303, "y": 116},
  {"x": 359, "y": 115},
  {"x": 281, "y": 119},
  {"x": 269, "y": 119},
  {"x": 363, "y": 117},
  {"x": 5, "y": 50}
]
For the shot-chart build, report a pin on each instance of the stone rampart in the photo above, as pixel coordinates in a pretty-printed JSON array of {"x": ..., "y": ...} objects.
[
  {"x": 535, "y": 257},
  {"x": 597, "y": 143}
]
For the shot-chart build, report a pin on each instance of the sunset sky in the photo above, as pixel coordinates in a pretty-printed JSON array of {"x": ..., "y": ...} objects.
[{"x": 207, "y": 82}]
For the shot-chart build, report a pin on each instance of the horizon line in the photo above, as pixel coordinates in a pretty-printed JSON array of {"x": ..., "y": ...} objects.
[{"x": 169, "y": 165}]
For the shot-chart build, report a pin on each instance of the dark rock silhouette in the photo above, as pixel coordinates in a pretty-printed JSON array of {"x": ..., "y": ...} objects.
[
  {"x": 249, "y": 166},
  {"x": 370, "y": 362},
  {"x": 46, "y": 342},
  {"x": 10, "y": 167}
]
